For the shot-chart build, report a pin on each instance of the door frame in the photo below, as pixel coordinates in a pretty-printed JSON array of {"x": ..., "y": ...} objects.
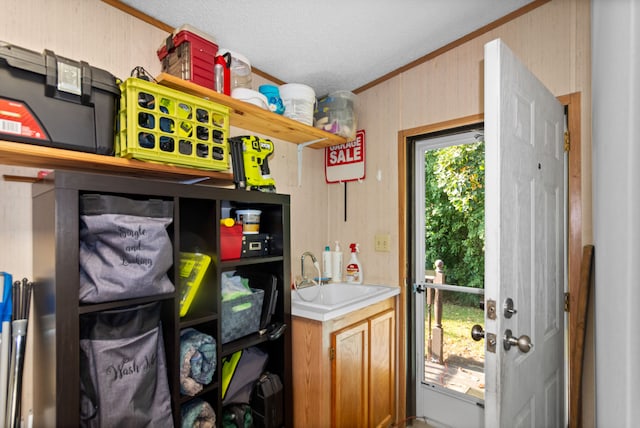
[{"x": 406, "y": 328}]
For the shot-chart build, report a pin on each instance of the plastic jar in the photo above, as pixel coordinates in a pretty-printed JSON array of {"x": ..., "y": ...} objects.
[
  {"x": 240, "y": 69},
  {"x": 336, "y": 113},
  {"x": 250, "y": 220},
  {"x": 299, "y": 102}
]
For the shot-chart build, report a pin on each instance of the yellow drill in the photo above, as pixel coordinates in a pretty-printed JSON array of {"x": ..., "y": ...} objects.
[{"x": 249, "y": 155}]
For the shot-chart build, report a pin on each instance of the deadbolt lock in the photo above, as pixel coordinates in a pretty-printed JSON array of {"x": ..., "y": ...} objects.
[{"x": 508, "y": 309}]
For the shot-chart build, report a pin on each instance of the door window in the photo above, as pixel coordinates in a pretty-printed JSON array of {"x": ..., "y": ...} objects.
[{"x": 449, "y": 270}]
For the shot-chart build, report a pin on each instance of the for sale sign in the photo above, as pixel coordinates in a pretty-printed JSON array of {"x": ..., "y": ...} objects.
[{"x": 345, "y": 162}]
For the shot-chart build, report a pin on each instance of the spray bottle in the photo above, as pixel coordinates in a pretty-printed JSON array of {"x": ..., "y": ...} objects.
[{"x": 354, "y": 268}]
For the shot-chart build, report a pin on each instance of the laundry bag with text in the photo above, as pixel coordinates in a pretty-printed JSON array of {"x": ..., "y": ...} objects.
[
  {"x": 123, "y": 371},
  {"x": 125, "y": 250}
]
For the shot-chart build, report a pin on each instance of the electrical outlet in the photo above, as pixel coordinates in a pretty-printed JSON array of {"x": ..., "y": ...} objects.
[{"x": 383, "y": 242}]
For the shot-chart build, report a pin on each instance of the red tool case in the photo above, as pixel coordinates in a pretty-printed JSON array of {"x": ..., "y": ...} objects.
[{"x": 190, "y": 55}]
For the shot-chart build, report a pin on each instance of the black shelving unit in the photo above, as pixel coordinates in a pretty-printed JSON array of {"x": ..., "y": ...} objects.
[{"x": 197, "y": 212}]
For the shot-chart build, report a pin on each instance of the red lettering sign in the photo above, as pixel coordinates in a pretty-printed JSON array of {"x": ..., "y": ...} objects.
[{"x": 345, "y": 162}]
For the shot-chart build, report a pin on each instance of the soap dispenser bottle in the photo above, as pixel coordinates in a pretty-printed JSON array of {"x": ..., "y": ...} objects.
[
  {"x": 354, "y": 268},
  {"x": 327, "y": 270},
  {"x": 336, "y": 264}
]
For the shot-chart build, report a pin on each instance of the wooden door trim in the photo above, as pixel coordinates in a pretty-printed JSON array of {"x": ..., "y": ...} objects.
[
  {"x": 574, "y": 255},
  {"x": 574, "y": 231}
]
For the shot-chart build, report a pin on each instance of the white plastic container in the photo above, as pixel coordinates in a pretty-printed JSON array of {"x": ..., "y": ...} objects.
[
  {"x": 336, "y": 264},
  {"x": 250, "y": 220},
  {"x": 240, "y": 69},
  {"x": 250, "y": 96},
  {"x": 327, "y": 269},
  {"x": 299, "y": 102}
]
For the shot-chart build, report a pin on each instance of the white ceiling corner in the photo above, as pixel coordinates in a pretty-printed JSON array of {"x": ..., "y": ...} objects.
[{"x": 333, "y": 44}]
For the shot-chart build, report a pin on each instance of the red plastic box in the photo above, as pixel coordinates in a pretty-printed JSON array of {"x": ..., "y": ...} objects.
[
  {"x": 230, "y": 242},
  {"x": 190, "y": 55}
]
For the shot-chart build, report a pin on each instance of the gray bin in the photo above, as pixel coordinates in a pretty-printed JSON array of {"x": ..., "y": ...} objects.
[{"x": 241, "y": 316}]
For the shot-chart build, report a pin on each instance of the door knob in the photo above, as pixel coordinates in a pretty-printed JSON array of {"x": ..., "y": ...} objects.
[
  {"x": 523, "y": 342},
  {"x": 477, "y": 332}
]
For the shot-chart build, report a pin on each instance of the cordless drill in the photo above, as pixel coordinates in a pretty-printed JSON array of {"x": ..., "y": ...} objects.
[{"x": 249, "y": 155}]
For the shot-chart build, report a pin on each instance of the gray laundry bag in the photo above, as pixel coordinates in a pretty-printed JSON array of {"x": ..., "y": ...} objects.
[
  {"x": 125, "y": 250},
  {"x": 123, "y": 373}
]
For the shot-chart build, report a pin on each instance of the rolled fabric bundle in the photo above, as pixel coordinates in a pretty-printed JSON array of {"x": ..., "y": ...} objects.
[
  {"x": 198, "y": 414},
  {"x": 197, "y": 360}
]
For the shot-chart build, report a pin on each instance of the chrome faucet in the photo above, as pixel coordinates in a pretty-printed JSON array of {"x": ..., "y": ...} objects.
[{"x": 305, "y": 280}]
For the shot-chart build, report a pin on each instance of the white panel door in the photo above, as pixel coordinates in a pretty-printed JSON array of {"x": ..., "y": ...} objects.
[{"x": 524, "y": 253}]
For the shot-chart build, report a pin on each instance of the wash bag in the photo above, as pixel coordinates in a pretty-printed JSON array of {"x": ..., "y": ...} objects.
[{"x": 123, "y": 373}]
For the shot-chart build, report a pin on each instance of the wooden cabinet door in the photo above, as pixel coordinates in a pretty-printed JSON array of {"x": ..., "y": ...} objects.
[
  {"x": 381, "y": 369},
  {"x": 350, "y": 372}
]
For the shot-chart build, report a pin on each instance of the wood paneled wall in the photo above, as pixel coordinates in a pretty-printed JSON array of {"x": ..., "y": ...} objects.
[{"x": 553, "y": 40}]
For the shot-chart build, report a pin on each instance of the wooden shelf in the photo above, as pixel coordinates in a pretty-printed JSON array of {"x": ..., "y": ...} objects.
[
  {"x": 253, "y": 118},
  {"x": 243, "y": 115},
  {"x": 52, "y": 158}
]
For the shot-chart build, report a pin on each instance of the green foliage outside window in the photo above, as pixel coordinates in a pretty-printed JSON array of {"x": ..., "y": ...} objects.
[{"x": 454, "y": 213}]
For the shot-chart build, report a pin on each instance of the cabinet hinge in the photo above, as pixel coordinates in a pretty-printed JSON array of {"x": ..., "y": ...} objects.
[
  {"x": 566, "y": 302},
  {"x": 567, "y": 141},
  {"x": 332, "y": 354}
]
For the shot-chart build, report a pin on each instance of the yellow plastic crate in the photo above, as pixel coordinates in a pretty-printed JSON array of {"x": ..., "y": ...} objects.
[{"x": 160, "y": 124}]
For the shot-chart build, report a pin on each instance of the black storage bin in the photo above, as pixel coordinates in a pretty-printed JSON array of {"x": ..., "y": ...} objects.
[{"x": 56, "y": 102}]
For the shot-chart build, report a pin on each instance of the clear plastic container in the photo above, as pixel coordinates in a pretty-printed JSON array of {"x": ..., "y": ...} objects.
[
  {"x": 240, "y": 70},
  {"x": 336, "y": 113}
]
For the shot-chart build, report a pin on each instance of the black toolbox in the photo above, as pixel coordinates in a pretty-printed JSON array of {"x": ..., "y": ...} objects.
[{"x": 53, "y": 101}]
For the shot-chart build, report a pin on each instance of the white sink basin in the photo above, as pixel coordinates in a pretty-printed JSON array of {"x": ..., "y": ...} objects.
[{"x": 325, "y": 302}]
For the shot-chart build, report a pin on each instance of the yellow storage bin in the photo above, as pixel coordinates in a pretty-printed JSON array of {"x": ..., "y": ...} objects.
[
  {"x": 160, "y": 124},
  {"x": 192, "y": 269}
]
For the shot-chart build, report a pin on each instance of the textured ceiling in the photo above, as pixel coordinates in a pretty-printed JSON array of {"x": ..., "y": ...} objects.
[{"x": 331, "y": 44}]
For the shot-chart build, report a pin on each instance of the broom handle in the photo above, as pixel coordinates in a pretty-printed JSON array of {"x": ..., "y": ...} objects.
[
  {"x": 17, "y": 363},
  {"x": 5, "y": 357}
]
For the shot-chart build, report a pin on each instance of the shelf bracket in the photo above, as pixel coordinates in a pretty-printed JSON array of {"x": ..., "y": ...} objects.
[{"x": 301, "y": 146}]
